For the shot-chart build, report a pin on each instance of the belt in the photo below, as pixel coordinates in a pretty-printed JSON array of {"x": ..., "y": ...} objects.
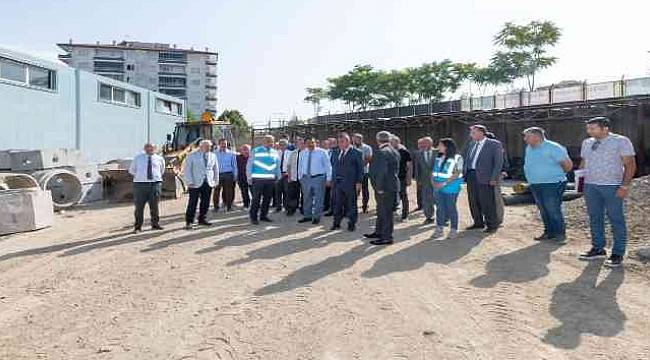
[
  {"x": 315, "y": 176},
  {"x": 226, "y": 172}
]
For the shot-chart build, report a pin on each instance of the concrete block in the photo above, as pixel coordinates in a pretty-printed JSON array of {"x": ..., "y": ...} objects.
[
  {"x": 25, "y": 210},
  {"x": 92, "y": 191},
  {"x": 34, "y": 160}
]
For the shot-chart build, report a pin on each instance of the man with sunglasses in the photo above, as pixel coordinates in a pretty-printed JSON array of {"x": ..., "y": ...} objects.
[{"x": 608, "y": 161}]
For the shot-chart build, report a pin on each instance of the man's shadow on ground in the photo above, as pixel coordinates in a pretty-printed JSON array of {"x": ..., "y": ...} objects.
[
  {"x": 520, "y": 266},
  {"x": 584, "y": 307}
]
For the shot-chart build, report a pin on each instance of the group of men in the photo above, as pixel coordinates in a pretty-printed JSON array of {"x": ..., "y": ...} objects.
[{"x": 303, "y": 176}]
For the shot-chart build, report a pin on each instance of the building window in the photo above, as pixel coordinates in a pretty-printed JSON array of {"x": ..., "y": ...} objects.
[
  {"x": 172, "y": 69},
  {"x": 27, "y": 74},
  {"x": 166, "y": 81},
  {"x": 196, "y": 82},
  {"x": 195, "y": 70},
  {"x": 172, "y": 56},
  {"x": 118, "y": 95},
  {"x": 109, "y": 66},
  {"x": 107, "y": 53},
  {"x": 130, "y": 67},
  {"x": 179, "y": 93},
  {"x": 169, "y": 107}
]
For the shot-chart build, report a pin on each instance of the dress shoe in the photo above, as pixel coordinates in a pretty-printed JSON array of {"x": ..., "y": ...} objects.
[
  {"x": 371, "y": 236},
  {"x": 474, "y": 227},
  {"x": 490, "y": 230},
  {"x": 364, "y": 210},
  {"x": 304, "y": 220},
  {"x": 315, "y": 221},
  {"x": 216, "y": 209},
  {"x": 351, "y": 227},
  {"x": 137, "y": 230},
  {"x": 291, "y": 212},
  {"x": 428, "y": 222},
  {"x": 265, "y": 219},
  {"x": 205, "y": 223},
  {"x": 255, "y": 222},
  {"x": 382, "y": 242},
  {"x": 189, "y": 227},
  {"x": 541, "y": 237},
  {"x": 156, "y": 227},
  {"x": 335, "y": 227},
  {"x": 329, "y": 213}
]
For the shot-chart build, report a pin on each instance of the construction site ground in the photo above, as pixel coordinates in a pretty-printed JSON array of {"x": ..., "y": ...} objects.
[{"x": 88, "y": 288}]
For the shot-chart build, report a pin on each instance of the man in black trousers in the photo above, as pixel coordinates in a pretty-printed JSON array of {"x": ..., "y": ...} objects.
[
  {"x": 383, "y": 176},
  {"x": 147, "y": 169},
  {"x": 333, "y": 152},
  {"x": 482, "y": 171},
  {"x": 347, "y": 175}
]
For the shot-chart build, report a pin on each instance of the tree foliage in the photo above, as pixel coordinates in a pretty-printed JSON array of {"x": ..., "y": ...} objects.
[
  {"x": 239, "y": 123},
  {"x": 523, "y": 51},
  {"x": 526, "y": 47}
]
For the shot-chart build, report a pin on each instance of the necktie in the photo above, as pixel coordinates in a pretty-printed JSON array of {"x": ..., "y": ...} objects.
[
  {"x": 149, "y": 168},
  {"x": 309, "y": 163},
  {"x": 472, "y": 154},
  {"x": 282, "y": 161},
  {"x": 205, "y": 159},
  {"x": 426, "y": 156}
]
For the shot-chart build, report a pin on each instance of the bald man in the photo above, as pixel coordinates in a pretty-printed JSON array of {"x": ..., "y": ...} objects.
[{"x": 147, "y": 169}]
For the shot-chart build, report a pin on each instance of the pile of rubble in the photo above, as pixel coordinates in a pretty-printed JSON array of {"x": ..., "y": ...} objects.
[{"x": 637, "y": 212}]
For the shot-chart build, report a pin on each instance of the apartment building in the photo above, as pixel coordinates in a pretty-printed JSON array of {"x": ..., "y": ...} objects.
[{"x": 183, "y": 73}]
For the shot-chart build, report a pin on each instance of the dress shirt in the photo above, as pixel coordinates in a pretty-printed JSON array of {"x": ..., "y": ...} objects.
[
  {"x": 140, "y": 164},
  {"x": 320, "y": 164},
  {"x": 227, "y": 161},
  {"x": 479, "y": 147},
  {"x": 284, "y": 159}
]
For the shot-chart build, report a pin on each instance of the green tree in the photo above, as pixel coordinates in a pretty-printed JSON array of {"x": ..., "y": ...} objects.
[
  {"x": 526, "y": 47},
  {"x": 432, "y": 81},
  {"x": 356, "y": 88},
  {"x": 391, "y": 88},
  {"x": 241, "y": 127},
  {"x": 315, "y": 96}
]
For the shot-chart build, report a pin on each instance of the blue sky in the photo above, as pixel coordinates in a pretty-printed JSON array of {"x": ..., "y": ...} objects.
[{"x": 271, "y": 50}]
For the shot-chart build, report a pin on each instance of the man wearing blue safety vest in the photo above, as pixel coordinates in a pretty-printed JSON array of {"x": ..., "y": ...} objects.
[{"x": 262, "y": 170}]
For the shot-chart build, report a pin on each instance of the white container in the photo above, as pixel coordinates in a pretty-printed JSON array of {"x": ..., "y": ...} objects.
[
  {"x": 25, "y": 210},
  {"x": 580, "y": 179}
]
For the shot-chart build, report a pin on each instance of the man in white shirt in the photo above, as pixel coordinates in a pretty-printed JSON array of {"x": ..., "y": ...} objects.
[
  {"x": 202, "y": 174},
  {"x": 147, "y": 169},
  {"x": 280, "y": 194}
]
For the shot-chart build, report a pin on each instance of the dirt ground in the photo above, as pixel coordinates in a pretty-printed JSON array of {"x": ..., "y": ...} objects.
[{"x": 89, "y": 289}]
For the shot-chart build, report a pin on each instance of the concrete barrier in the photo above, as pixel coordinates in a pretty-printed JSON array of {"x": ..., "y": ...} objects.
[
  {"x": 25, "y": 210},
  {"x": 64, "y": 184}
]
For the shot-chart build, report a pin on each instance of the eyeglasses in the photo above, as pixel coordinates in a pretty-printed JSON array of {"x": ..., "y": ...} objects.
[{"x": 595, "y": 145}]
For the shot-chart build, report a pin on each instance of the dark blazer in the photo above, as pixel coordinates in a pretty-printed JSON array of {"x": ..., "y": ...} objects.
[
  {"x": 347, "y": 171},
  {"x": 489, "y": 162},
  {"x": 334, "y": 156},
  {"x": 383, "y": 169},
  {"x": 423, "y": 169}
]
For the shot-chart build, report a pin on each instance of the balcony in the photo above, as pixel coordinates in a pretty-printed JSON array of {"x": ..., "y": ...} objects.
[
  {"x": 172, "y": 86},
  {"x": 210, "y": 62},
  {"x": 211, "y": 98},
  {"x": 211, "y": 75},
  {"x": 211, "y": 87},
  {"x": 109, "y": 58},
  {"x": 178, "y": 74}
]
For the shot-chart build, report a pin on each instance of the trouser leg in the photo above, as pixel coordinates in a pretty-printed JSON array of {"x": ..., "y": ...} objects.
[
  {"x": 244, "y": 188},
  {"x": 190, "y": 213},
  {"x": 154, "y": 199},
  {"x": 616, "y": 216},
  {"x": 404, "y": 197},
  {"x": 418, "y": 195},
  {"x": 267, "y": 195},
  {"x": 318, "y": 191},
  {"x": 365, "y": 193},
  {"x": 307, "y": 197},
  {"x": 350, "y": 202},
  {"x": 217, "y": 194},
  {"x": 140, "y": 196},
  {"x": 428, "y": 202},
  {"x": 204, "y": 205},
  {"x": 256, "y": 189},
  {"x": 596, "y": 210},
  {"x": 488, "y": 205},
  {"x": 473, "y": 192}
]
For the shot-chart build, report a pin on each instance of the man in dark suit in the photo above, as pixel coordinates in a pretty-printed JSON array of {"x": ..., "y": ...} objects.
[
  {"x": 333, "y": 152},
  {"x": 383, "y": 176},
  {"x": 347, "y": 175},
  {"x": 482, "y": 171},
  {"x": 423, "y": 168}
]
